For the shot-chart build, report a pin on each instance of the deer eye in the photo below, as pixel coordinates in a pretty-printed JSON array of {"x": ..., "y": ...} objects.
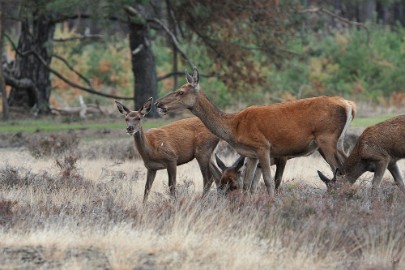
[{"x": 180, "y": 93}]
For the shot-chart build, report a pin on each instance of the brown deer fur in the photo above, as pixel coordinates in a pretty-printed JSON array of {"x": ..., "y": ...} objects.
[
  {"x": 171, "y": 145},
  {"x": 286, "y": 129},
  {"x": 378, "y": 148}
]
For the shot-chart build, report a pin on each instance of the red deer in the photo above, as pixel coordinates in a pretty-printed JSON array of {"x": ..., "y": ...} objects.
[
  {"x": 287, "y": 129},
  {"x": 229, "y": 177},
  {"x": 169, "y": 146},
  {"x": 378, "y": 148}
]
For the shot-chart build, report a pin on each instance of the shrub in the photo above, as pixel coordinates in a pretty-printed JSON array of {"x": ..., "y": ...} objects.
[
  {"x": 115, "y": 150},
  {"x": 45, "y": 145},
  {"x": 349, "y": 63},
  {"x": 69, "y": 177}
]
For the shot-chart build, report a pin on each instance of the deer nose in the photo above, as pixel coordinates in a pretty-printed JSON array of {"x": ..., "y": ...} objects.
[
  {"x": 130, "y": 129},
  {"x": 222, "y": 191}
]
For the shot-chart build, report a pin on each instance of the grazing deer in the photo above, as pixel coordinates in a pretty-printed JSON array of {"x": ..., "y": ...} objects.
[
  {"x": 378, "y": 148},
  {"x": 286, "y": 129},
  {"x": 169, "y": 146},
  {"x": 227, "y": 178}
]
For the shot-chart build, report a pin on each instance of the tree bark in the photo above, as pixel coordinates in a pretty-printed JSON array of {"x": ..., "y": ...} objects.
[
  {"x": 2, "y": 83},
  {"x": 27, "y": 66},
  {"x": 366, "y": 10},
  {"x": 143, "y": 65}
]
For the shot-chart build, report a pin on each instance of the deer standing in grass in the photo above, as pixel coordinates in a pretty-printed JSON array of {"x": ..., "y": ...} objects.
[
  {"x": 378, "y": 148},
  {"x": 169, "y": 146},
  {"x": 287, "y": 129}
]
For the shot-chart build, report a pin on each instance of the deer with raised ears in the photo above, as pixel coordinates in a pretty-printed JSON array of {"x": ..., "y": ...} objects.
[
  {"x": 169, "y": 146},
  {"x": 287, "y": 129},
  {"x": 228, "y": 178},
  {"x": 378, "y": 148}
]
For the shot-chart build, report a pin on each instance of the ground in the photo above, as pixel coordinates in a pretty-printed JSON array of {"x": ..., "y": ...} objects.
[{"x": 82, "y": 209}]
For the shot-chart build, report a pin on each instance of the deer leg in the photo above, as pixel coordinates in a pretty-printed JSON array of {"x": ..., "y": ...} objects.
[
  {"x": 342, "y": 156},
  {"x": 171, "y": 171},
  {"x": 280, "y": 166},
  {"x": 206, "y": 174},
  {"x": 150, "y": 177},
  {"x": 264, "y": 159},
  {"x": 251, "y": 165},
  {"x": 380, "y": 168},
  {"x": 328, "y": 150},
  {"x": 397, "y": 174},
  {"x": 256, "y": 179}
]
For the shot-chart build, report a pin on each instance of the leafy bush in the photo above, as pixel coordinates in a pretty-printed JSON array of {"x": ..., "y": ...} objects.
[
  {"x": 348, "y": 62},
  {"x": 45, "y": 145},
  {"x": 344, "y": 63}
]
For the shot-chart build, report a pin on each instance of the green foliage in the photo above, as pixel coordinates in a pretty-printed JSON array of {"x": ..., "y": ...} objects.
[
  {"x": 338, "y": 63},
  {"x": 47, "y": 124},
  {"x": 343, "y": 63},
  {"x": 107, "y": 63}
]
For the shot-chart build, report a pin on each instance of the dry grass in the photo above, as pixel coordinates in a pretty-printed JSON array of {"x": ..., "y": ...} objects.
[{"x": 88, "y": 214}]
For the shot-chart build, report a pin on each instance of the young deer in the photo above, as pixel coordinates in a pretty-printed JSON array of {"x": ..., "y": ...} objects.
[
  {"x": 229, "y": 177},
  {"x": 287, "y": 129},
  {"x": 169, "y": 146},
  {"x": 378, "y": 148}
]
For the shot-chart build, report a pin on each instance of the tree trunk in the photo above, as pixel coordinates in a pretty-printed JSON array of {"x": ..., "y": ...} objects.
[
  {"x": 366, "y": 10},
  {"x": 2, "y": 84},
  {"x": 27, "y": 66},
  {"x": 399, "y": 13},
  {"x": 143, "y": 65}
]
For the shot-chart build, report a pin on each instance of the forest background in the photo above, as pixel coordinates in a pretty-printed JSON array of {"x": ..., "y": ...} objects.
[{"x": 249, "y": 52}]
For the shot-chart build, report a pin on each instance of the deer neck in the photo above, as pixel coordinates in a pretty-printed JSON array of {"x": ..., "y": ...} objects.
[
  {"x": 217, "y": 121},
  {"x": 142, "y": 144},
  {"x": 353, "y": 167}
]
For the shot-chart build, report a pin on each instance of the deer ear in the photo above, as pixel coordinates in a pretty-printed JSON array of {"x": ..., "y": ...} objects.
[
  {"x": 196, "y": 77},
  {"x": 324, "y": 179},
  {"x": 239, "y": 163},
  {"x": 147, "y": 106},
  {"x": 189, "y": 78},
  {"x": 123, "y": 110},
  {"x": 221, "y": 165}
]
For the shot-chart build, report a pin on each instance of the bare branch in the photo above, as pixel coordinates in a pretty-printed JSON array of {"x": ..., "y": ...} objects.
[
  {"x": 84, "y": 16},
  {"x": 60, "y": 76},
  {"x": 133, "y": 12},
  {"x": 78, "y": 38},
  {"x": 340, "y": 18},
  {"x": 23, "y": 83},
  {"x": 171, "y": 74},
  {"x": 73, "y": 70}
]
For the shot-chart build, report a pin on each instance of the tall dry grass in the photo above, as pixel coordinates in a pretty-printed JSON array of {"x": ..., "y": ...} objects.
[{"x": 90, "y": 215}]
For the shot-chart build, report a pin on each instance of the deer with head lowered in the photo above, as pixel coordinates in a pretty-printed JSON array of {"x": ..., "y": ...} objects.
[
  {"x": 169, "y": 146},
  {"x": 287, "y": 129},
  {"x": 228, "y": 177},
  {"x": 378, "y": 148}
]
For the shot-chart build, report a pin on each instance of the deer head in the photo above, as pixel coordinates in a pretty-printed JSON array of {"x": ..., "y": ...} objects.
[
  {"x": 335, "y": 182},
  {"x": 133, "y": 118},
  {"x": 227, "y": 178},
  {"x": 182, "y": 98}
]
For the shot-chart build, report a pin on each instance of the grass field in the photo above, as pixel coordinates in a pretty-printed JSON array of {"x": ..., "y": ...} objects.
[
  {"x": 83, "y": 210},
  {"x": 89, "y": 215},
  {"x": 56, "y": 124},
  {"x": 52, "y": 124}
]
